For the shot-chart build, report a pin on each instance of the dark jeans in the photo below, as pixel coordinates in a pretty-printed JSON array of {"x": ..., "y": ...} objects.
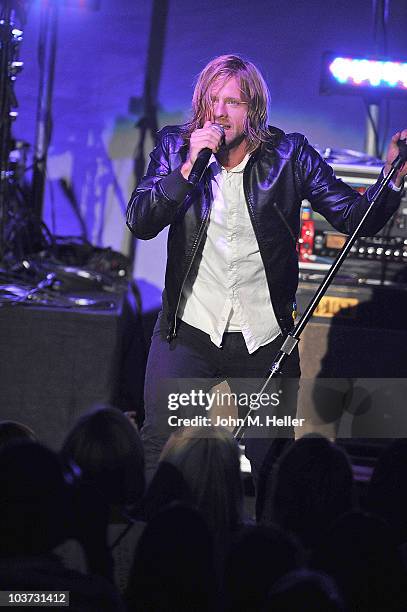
[{"x": 192, "y": 355}]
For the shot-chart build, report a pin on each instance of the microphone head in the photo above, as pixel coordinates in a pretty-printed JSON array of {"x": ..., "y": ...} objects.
[
  {"x": 402, "y": 145},
  {"x": 222, "y": 130}
]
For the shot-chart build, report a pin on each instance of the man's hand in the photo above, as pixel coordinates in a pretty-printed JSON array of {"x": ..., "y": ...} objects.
[
  {"x": 392, "y": 153},
  {"x": 209, "y": 136}
]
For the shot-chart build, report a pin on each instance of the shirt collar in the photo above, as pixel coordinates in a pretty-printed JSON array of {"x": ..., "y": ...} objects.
[{"x": 216, "y": 167}]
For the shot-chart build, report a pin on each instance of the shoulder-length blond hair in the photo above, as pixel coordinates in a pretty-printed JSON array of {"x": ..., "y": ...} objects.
[
  {"x": 208, "y": 459},
  {"x": 253, "y": 88}
]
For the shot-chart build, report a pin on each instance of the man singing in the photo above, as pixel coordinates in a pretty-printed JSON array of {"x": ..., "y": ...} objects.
[{"x": 232, "y": 268}]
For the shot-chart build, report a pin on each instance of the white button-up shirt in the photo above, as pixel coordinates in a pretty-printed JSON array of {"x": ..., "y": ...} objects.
[{"x": 230, "y": 292}]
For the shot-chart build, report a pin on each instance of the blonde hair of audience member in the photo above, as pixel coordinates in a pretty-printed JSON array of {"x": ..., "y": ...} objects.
[{"x": 209, "y": 460}]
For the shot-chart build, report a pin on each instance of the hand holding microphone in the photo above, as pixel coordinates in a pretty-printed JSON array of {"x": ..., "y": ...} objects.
[
  {"x": 204, "y": 141},
  {"x": 397, "y": 156}
]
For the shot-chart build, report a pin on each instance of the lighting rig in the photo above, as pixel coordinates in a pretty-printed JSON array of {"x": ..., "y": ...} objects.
[
  {"x": 375, "y": 79},
  {"x": 12, "y": 18},
  {"x": 362, "y": 75}
]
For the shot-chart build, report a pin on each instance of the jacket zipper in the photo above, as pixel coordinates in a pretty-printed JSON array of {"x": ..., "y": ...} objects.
[{"x": 172, "y": 332}]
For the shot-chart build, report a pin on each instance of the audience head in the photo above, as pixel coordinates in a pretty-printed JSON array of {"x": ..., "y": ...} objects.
[
  {"x": 387, "y": 492},
  {"x": 304, "y": 591},
  {"x": 209, "y": 461},
  {"x": 13, "y": 430},
  {"x": 264, "y": 484},
  {"x": 258, "y": 557},
  {"x": 34, "y": 499},
  {"x": 360, "y": 553},
  {"x": 173, "y": 564},
  {"x": 312, "y": 484},
  {"x": 107, "y": 448},
  {"x": 167, "y": 486}
]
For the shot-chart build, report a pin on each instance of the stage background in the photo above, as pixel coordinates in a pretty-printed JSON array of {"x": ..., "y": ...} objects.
[{"x": 100, "y": 66}]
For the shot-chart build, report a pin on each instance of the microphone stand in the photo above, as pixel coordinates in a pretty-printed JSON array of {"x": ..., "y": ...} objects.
[{"x": 293, "y": 337}]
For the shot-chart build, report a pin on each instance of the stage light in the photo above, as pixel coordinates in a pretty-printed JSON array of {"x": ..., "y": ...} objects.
[
  {"x": 361, "y": 75},
  {"x": 93, "y": 5}
]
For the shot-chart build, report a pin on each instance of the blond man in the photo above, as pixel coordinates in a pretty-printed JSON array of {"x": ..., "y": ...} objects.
[{"x": 232, "y": 268}]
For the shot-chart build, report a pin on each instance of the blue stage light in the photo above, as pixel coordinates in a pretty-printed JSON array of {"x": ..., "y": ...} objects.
[{"x": 354, "y": 75}]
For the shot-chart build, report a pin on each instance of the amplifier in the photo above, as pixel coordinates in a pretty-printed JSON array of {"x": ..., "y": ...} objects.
[
  {"x": 378, "y": 248},
  {"x": 380, "y": 258}
]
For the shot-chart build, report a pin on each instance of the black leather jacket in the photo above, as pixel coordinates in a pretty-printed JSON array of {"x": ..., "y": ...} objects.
[{"x": 278, "y": 176}]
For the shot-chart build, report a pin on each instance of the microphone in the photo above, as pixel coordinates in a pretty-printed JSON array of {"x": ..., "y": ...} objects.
[
  {"x": 202, "y": 161},
  {"x": 402, "y": 156},
  {"x": 402, "y": 145}
]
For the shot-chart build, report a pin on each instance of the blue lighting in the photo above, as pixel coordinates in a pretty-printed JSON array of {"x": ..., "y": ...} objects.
[{"x": 357, "y": 72}]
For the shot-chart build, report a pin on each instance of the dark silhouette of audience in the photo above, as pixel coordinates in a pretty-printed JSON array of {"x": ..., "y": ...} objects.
[
  {"x": 361, "y": 554},
  {"x": 258, "y": 557},
  {"x": 82, "y": 522},
  {"x": 35, "y": 507},
  {"x": 265, "y": 479},
  {"x": 34, "y": 499},
  {"x": 387, "y": 491},
  {"x": 10, "y": 431},
  {"x": 173, "y": 567},
  {"x": 310, "y": 485},
  {"x": 167, "y": 486},
  {"x": 106, "y": 447},
  {"x": 304, "y": 591}
]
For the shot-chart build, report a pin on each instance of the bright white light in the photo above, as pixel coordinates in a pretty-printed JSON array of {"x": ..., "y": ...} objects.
[
  {"x": 369, "y": 72},
  {"x": 340, "y": 68},
  {"x": 392, "y": 72}
]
